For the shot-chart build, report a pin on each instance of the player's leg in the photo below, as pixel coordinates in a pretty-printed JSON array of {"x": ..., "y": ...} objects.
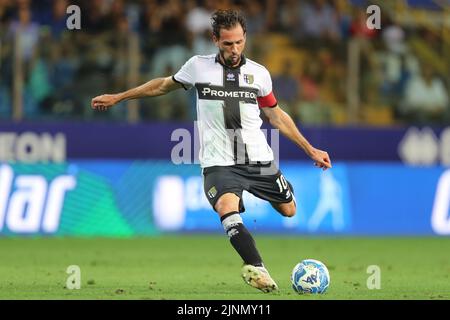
[
  {"x": 253, "y": 272},
  {"x": 275, "y": 189},
  {"x": 223, "y": 188},
  {"x": 286, "y": 209},
  {"x": 227, "y": 206}
]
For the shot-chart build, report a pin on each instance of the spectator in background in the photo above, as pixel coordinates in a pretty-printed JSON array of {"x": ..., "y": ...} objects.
[
  {"x": 256, "y": 23},
  {"x": 310, "y": 78},
  {"x": 393, "y": 37},
  {"x": 317, "y": 21},
  {"x": 38, "y": 82},
  {"x": 395, "y": 71},
  {"x": 198, "y": 19},
  {"x": 358, "y": 27},
  {"x": 116, "y": 14},
  {"x": 256, "y": 26},
  {"x": 95, "y": 20},
  {"x": 6, "y": 13},
  {"x": 334, "y": 85},
  {"x": 98, "y": 55},
  {"x": 426, "y": 98},
  {"x": 344, "y": 18},
  {"x": 287, "y": 16},
  {"x": 58, "y": 20},
  {"x": 172, "y": 49},
  {"x": 396, "y": 63},
  {"x": 201, "y": 43},
  {"x": 198, "y": 24},
  {"x": 286, "y": 87},
  {"x": 63, "y": 70},
  {"x": 120, "y": 51},
  {"x": 6, "y": 16},
  {"x": 26, "y": 31},
  {"x": 310, "y": 109},
  {"x": 150, "y": 28}
]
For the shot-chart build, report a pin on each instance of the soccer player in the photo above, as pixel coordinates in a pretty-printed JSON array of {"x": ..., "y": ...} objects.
[{"x": 234, "y": 154}]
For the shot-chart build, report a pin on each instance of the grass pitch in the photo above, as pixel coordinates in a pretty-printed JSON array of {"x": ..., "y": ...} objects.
[{"x": 190, "y": 267}]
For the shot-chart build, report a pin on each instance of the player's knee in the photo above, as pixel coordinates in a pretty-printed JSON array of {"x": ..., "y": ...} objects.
[
  {"x": 223, "y": 207},
  {"x": 227, "y": 203},
  {"x": 289, "y": 211}
]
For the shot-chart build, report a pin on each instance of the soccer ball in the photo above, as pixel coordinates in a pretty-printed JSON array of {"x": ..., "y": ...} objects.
[{"x": 310, "y": 276}]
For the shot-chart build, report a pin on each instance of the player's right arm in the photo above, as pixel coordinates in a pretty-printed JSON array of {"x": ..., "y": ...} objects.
[{"x": 152, "y": 88}]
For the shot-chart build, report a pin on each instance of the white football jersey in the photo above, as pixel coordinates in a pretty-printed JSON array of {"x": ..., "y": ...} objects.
[{"x": 228, "y": 103}]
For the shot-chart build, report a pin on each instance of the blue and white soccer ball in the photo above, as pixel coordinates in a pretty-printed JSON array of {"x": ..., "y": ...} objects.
[{"x": 310, "y": 276}]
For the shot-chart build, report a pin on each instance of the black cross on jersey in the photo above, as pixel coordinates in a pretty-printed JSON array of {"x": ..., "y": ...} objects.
[{"x": 231, "y": 94}]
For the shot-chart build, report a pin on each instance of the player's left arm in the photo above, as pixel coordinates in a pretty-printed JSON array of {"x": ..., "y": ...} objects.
[{"x": 283, "y": 122}]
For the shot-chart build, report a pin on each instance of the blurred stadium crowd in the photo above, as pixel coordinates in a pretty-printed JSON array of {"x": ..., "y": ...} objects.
[{"x": 327, "y": 66}]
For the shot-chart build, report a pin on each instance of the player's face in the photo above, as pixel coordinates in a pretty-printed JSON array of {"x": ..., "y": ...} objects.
[{"x": 231, "y": 44}]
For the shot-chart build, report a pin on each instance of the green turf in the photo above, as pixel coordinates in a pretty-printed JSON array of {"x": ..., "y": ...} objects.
[{"x": 206, "y": 267}]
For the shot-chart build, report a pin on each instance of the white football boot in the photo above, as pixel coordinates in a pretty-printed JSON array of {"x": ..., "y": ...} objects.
[{"x": 259, "y": 278}]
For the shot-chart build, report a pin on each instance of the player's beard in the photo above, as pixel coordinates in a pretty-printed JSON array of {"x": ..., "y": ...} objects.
[{"x": 228, "y": 62}]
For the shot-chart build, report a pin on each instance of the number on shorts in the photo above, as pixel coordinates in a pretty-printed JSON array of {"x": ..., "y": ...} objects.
[{"x": 282, "y": 183}]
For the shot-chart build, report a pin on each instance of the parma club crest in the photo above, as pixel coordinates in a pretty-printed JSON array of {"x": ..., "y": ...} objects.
[
  {"x": 212, "y": 192},
  {"x": 248, "y": 78}
]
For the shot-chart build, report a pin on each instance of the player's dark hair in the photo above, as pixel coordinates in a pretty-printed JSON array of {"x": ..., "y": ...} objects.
[{"x": 227, "y": 19}]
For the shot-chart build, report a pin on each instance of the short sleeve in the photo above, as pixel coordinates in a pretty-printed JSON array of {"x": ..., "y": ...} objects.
[
  {"x": 186, "y": 75},
  {"x": 266, "y": 84},
  {"x": 266, "y": 98}
]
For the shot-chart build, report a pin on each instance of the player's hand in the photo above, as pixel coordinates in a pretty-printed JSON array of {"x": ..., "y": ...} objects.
[
  {"x": 320, "y": 158},
  {"x": 103, "y": 102}
]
